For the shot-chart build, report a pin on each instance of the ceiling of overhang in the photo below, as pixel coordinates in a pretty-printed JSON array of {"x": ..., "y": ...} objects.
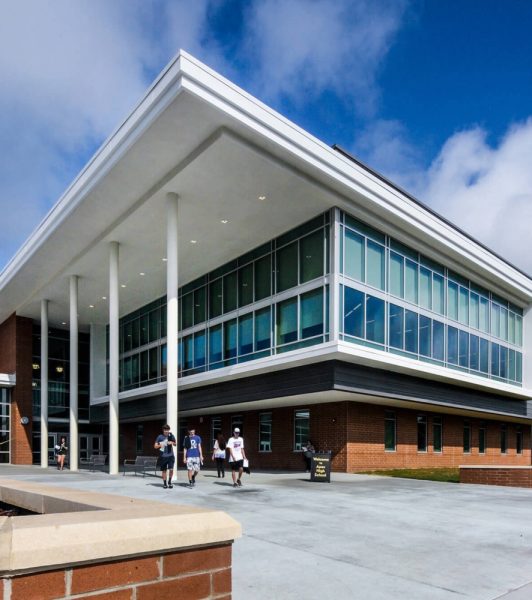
[{"x": 223, "y": 182}]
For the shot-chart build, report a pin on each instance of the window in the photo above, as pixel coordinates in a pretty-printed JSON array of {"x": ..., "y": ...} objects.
[
  {"x": 463, "y": 349},
  {"x": 311, "y": 256},
  {"x": 389, "y": 431},
  {"x": 425, "y": 288},
  {"x": 301, "y": 428},
  {"x": 504, "y": 441},
  {"x": 230, "y": 330},
  {"x": 262, "y": 329},
  {"x": 245, "y": 334},
  {"x": 311, "y": 318},
  {"x": 518, "y": 440},
  {"x": 411, "y": 333},
  {"x": 437, "y": 434},
  {"x": 354, "y": 312},
  {"x": 438, "y": 294},
  {"x": 199, "y": 349},
  {"x": 230, "y": 291},
  {"x": 265, "y": 432},
  {"x": 424, "y": 335},
  {"x": 237, "y": 421},
  {"x": 287, "y": 321},
  {"x": 467, "y": 437},
  {"x": 215, "y": 298},
  {"x": 140, "y": 439},
  {"x": 199, "y": 305},
  {"x": 452, "y": 300},
  {"x": 375, "y": 319},
  {"x": 263, "y": 277},
  {"x": 215, "y": 344},
  {"x": 245, "y": 285},
  {"x": 422, "y": 434},
  {"x": 482, "y": 438},
  {"x": 452, "y": 345},
  {"x": 397, "y": 269},
  {"x": 463, "y": 305},
  {"x": 287, "y": 267},
  {"x": 375, "y": 276},
  {"x": 395, "y": 328},
  {"x": 187, "y": 303},
  {"x": 355, "y": 257},
  {"x": 438, "y": 341},
  {"x": 411, "y": 282}
]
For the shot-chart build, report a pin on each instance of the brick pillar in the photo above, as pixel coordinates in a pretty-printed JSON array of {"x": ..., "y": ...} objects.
[{"x": 16, "y": 357}]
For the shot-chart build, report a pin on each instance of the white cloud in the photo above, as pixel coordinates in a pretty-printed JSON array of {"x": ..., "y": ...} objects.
[
  {"x": 487, "y": 190},
  {"x": 70, "y": 72},
  {"x": 300, "y": 48}
]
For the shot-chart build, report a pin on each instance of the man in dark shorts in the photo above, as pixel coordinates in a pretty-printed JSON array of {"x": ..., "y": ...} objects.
[
  {"x": 165, "y": 443},
  {"x": 236, "y": 456}
]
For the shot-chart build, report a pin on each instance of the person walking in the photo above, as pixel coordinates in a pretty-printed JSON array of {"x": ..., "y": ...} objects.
[
  {"x": 192, "y": 456},
  {"x": 165, "y": 443},
  {"x": 218, "y": 454},
  {"x": 61, "y": 450},
  {"x": 237, "y": 456}
]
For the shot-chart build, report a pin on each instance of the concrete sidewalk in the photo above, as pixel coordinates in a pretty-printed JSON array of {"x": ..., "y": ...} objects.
[{"x": 359, "y": 537}]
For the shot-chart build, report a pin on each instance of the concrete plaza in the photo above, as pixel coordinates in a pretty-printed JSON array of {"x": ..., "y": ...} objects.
[{"x": 359, "y": 537}]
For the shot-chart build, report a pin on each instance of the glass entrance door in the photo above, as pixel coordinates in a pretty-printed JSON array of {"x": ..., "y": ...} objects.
[{"x": 89, "y": 444}]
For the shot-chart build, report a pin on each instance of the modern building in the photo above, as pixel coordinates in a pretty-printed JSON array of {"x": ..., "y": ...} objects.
[{"x": 216, "y": 265}]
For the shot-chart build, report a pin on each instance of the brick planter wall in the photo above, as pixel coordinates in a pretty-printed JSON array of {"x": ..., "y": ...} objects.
[
  {"x": 506, "y": 476},
  {"x": 199, "y": 574}
]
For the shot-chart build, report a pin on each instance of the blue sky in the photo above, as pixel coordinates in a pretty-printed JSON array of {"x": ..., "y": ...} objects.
[{"x": 437, "y": 95}]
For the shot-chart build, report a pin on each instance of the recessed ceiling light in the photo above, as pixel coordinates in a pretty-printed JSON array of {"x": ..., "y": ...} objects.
[
  {"x": 123, "y": 285},
  {"x": 91, "y": 305},
  {"x": 193, "y": 241},
  {"x": 224, "y": 221},
  {"x": 165, "y": 259},
  {"x": 262, "y": 197},
  {"x": 142, "y": 274},
  {"x": 104, "y": 297},
  {"x": 63, "y": 323}
]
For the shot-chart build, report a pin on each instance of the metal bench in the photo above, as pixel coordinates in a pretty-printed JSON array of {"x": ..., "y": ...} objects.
[
  {"x": 96, "y": 461},
  {"x": 141, "y": 464}
]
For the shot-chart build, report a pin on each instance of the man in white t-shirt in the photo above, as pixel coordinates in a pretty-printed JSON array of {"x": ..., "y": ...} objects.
[{"x": 236, "y": 456}]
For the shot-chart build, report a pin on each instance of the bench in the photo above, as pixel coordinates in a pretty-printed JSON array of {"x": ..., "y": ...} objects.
[
  {"x": 95, "y": 461},
  {"x": 141, "y": 464}
]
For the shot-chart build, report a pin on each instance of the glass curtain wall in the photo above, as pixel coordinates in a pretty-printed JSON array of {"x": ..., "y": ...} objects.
[
  {"x": 270, "y": 300},
  {"x": 395, "y": 299},
  {"x": 5, "y": 404}
]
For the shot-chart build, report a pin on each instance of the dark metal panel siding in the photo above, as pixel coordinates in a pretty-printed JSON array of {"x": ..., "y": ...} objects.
[
  {"x": 320, "y": 377},
  {"x": 359, "y": 378}
]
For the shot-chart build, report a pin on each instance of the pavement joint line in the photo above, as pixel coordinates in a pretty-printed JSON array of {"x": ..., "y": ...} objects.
[{"x": 354, "y": 564}]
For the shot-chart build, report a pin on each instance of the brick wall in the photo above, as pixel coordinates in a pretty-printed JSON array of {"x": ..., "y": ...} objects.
[
  {"x": 16, "y": 357},
  {"x": 497, "y": 476},
  {"x": 203, "y": 574},
  {"x": 354, "y": 432}
]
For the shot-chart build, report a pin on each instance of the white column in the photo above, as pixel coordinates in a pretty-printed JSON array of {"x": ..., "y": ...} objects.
[
  {"x": 113, "y": 358},
  {"x": 44, "y": 384},
  {"x": 171, "y": 317},
  {"x": 74, "y": 441}
]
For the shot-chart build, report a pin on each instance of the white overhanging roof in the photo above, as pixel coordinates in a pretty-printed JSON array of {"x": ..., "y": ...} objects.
[{"x": 198, "y": 135}]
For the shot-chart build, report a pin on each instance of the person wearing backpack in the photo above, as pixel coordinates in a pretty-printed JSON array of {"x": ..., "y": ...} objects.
[{"x": 218, "y": 454}]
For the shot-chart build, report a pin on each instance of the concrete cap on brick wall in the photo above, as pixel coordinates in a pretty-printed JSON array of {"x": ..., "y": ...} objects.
[{"x": 75, "y": 527}]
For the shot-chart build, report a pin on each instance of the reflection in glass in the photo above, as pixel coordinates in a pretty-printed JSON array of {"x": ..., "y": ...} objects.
[
  {"x": 311, "y": 313},
  {"x": 354, "y": 312},
  {"x": 395, "y": 328},
  {"x": 375, "y": 319}
]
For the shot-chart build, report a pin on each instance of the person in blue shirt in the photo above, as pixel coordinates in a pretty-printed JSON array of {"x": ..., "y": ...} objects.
[
  {"x": 192, "y": 456},
  {"x": 165, "y": 443}
]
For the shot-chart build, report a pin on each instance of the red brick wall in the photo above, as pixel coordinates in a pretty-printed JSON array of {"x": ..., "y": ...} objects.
[
  {"x": 8, "y": 329},
  {"x": 203, "y": 574},
  {"x": 500, "y": 476},
  {"x": 16, "y": 357},
  {"x": 366, "y": 441},
  {"x": 354, "y": 432}
]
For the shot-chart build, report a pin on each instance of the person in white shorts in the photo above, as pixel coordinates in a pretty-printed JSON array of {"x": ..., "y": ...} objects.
[
  {"x": 237, "y": 456},
  {"x": 192, "y": 456}
]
